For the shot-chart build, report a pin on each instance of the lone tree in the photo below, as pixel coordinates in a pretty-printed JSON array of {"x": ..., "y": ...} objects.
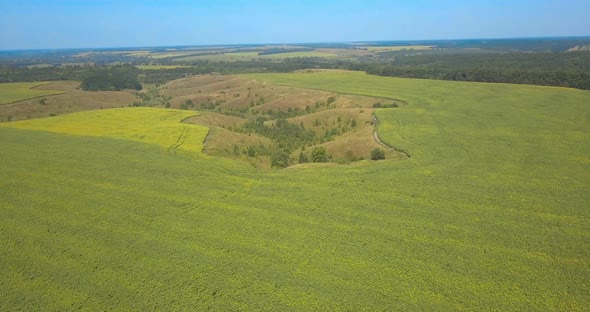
[{"x": 377, "y": 154}]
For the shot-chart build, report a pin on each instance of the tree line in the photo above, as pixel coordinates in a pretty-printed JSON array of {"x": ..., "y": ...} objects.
[
  {"x": 112, "y": 78},
  {"x": 564, "y": 69}
]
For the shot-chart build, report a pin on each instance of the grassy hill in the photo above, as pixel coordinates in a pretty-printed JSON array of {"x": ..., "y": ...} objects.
[
  {"x": 65, "y": 98},
  {"x": 489, "y": 213}
]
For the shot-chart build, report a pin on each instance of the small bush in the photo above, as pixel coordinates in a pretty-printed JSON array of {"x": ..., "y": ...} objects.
[
  {"x": 377, "y": 154},
  {"x": 303, "y": 158}
]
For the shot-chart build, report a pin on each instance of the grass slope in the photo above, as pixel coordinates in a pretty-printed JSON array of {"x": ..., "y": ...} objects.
[
  {"x": 148, "y": 125},
  {"x": 101, "y": 223},
  {"x": 18, "y": 91},
  {"x": 70, "y": 100}
]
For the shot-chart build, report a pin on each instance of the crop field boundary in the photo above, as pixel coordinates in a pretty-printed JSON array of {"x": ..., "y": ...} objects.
[
  {"x": 32, "y": 88},
  {"x": 381, "y": 142},
  {"x": 17, "y": 102},
  {"x": 181, "y": 138},
  {"x": 206, "y": 140}
]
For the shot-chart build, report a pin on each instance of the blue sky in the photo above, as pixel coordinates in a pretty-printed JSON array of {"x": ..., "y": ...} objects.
[{"x": 126, "y": 23}]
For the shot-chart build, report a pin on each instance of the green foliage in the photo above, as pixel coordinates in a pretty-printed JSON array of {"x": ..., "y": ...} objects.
[
  {"x": 319, "y": 154},
  {"x": 303, "y": 158},
  {"x": 388, "y": 105},
  {"x": 279, "y": 159},
  {"x": 377, "y": 154},
  {"x": 565, "y": 69},
  {"x": 287, "y": 136},
  {"x": 113, "y": 78},
  {"x": 252, "y": 152},
  {"x": 154, "y": 98}
]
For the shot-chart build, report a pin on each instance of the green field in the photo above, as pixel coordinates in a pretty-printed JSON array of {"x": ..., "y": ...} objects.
[
  {"x": 19, "y": 91},
  {"x": 247, "y": 56},
  {"x": 144, "y": 124},
  {"x": 161, "y": 66},
  {"x": 400, "y": 48},
  {"x": 491, "y": 212},
  {"x": 298, "y": 54}
]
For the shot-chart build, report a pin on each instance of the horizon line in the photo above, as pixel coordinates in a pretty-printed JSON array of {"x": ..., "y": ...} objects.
[{"x": 291, "y": 43}]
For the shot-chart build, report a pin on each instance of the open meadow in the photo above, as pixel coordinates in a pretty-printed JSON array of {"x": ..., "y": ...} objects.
[{"x": 489, "y": 212}]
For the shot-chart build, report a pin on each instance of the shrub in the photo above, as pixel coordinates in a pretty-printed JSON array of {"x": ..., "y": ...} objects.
[
  {"x": 279, "y": 159},
  {"x": 377, "y": 154},
  {"x": 319, "y": 154},
  {"x": 303, "y": 158}
]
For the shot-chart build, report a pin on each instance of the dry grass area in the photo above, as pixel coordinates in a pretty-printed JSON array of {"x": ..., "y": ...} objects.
[
  {"x": 70, "y": 101},
  {"x": 236, "y": 92},
  {"x": 20, "y": 91},
  {"x": 238, "y": 100}
]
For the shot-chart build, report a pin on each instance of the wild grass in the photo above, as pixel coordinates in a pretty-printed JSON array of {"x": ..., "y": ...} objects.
[
  {"x": 19, "y": 91},
  {"x": 489, "y": 213}
]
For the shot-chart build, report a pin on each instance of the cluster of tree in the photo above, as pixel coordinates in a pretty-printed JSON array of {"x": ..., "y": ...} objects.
[
  {"x": 153, "y": 98},
  {"x": 68, "y": 57},
  {"x": 112, "y": 78},
  {"x": 318, "y": 154},
  {"x": 498, "y": 45},
  {"x": 287, "y": 136},
  {"x": 541, "y": 61},
  {"x": 567, "y": 69},
  {"x": 23, "y": 74}
]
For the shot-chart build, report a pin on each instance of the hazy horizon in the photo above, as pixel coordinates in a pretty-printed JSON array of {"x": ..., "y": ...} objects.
[
  {"x": 246, "y": 44},
  {"x": 93, "y": 24}
]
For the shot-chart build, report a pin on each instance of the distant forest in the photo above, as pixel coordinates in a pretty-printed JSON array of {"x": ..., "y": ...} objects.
[
  {"x": 565, "y": 69},
  {"x": 521, "y": 61}
]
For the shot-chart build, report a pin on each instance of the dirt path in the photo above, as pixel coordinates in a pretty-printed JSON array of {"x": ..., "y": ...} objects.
[
  {"x": 378, "y": 140},
  {"x": 207, "y": 140}
]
